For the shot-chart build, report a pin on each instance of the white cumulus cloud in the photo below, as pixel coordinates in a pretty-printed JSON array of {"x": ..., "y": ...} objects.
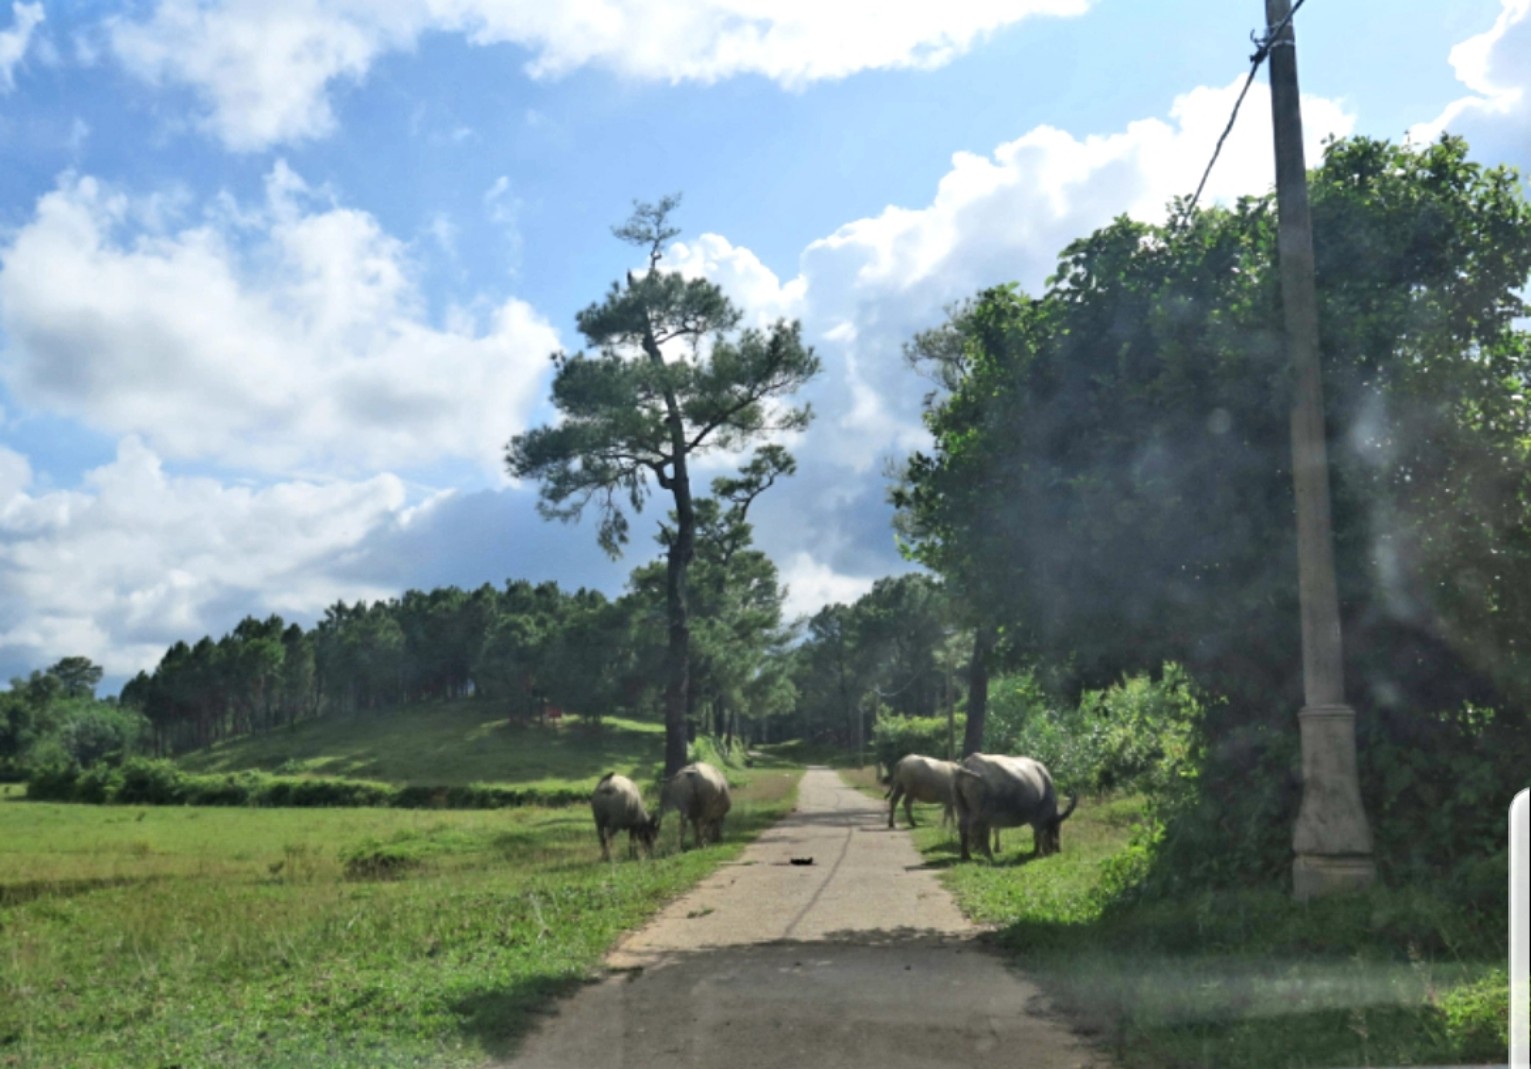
[
  {"x": 265, "y": 70},
  {"x": 274, "y": 337},
  {"x": 812, "y": 584},
  {"x": 865, "y": 289},
  {"x": 135, "y": 558},
  {"x": 14, "y": 41},
  {"x": 1495, "y": 66}
]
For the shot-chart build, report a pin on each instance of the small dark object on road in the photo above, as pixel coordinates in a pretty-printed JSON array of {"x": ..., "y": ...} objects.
[{"x": 802, "y": 861}]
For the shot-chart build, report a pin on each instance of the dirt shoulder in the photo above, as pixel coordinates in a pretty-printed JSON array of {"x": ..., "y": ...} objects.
[{"x": 859, "y": 959}]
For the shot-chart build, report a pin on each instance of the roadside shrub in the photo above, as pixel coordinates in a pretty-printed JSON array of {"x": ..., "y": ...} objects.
[
  {"x": 1224, "y": 797},
  {"x": 97, "y": 784},
  {"x": 339, "y": 792},
  {"x": 1129, "y": 736},
  {"x": 149, "y": 781},
  {"x": 895, "y": 737},
  {"x": 218, "y": 790},
  {"x": 1437, "y": 788},
  {"x": 1016, "y": 699},
  {"x": 417, "y": 796},
  {"x": 716, "y": 752},
  {"x": 1225, "y": 809},
  {"x": 1477, "y": 1019},
  {"x": 53, "y": 782}
]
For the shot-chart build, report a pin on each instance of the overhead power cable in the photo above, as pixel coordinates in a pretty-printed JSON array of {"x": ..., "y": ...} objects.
[{"x": 1262, "y": 49}]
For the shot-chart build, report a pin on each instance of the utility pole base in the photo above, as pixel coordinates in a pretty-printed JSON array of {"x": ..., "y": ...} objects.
[
  {"x": 1319, "y": 876},
  {"x": 1332, "y": 841}
]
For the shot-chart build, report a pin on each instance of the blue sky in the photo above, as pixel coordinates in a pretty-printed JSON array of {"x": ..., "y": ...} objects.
[{"x": 279, "y": 278}]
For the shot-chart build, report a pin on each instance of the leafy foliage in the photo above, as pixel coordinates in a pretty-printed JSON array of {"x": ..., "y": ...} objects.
[
  {"x": 150, "y": 781},
  {"x": 671, "y": 379},
  {"x": 1135, "y": 735},
  {"x": 1111, "y": 475},
  {"x": 895, "y": 649},
  {"x": 52, "y": 718},
  {"x": 1111, "y": 485},
  {"x": 894, "y": 737}
]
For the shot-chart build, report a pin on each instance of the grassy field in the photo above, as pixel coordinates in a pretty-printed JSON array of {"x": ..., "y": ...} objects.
[
  {"x": 1249, "y": 979},
  {"x": 136, "y": 937},
  {"x": 449, "y": 744}
]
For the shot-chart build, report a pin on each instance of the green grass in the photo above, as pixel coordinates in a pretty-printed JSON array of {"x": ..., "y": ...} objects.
[
  {"x": 134, "y": 937},
  {"x": 1397, "y": 976},
  {"x": 448, "y": 744}
]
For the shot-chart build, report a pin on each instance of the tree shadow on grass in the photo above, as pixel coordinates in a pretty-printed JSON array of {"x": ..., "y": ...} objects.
[
  {"x": 501, "y": 1018},
  {"x": 18, "y": 894}
]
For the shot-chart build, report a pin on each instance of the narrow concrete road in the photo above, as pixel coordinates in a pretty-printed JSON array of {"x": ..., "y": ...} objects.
[{"x": 860, "y": 959}]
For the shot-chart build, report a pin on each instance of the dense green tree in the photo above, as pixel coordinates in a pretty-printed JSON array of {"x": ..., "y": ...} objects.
[
  {"x": 672, "y": 378},
  {"x": 79, "y": 675},
  {"x": 21, "y": 722},
  {"x": 298, "y": 674},
  {"x": 894, "y": 649},
  {"x": 1111, "y": 484},
  {"x": 736, "y": 600},
  {"x": 53, "y": 717},
  {"x": 1111, "y": 477},
  {"x": 946, "y": 355},
  {"x": 254, "y": 654}
]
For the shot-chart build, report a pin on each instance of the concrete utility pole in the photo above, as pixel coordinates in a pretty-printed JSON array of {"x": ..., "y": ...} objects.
[{"x": 1332, "y": 841}]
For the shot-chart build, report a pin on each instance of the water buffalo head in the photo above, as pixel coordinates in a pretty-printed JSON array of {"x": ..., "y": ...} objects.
[{"x": 1049, "y": 839}]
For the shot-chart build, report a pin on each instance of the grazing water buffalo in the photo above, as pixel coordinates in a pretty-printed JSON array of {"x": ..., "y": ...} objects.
[
  {"x": 618, "y": 806},
  {"x": 921, "y": 779},
  {"x": 994, "y": 791},
  {"x": 699, "y": 793}
]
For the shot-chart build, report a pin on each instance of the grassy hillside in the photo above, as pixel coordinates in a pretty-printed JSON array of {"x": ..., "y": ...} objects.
[
  {"x": 300, "y": 938},
  {"x": 447, "y": 744}
]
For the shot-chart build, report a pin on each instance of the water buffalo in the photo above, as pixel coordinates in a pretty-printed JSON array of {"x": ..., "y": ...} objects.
[
  {"x": 618, "y": 806},
  {"x": 699, "y": 793},
  {"x": 994, "y": 791},
  {"x": 921, "y": 779}
]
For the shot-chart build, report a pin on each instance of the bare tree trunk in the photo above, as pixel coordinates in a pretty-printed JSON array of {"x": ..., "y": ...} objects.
[
  {"x": 681, "y": 551},
  {"x": 978, "y": 689}
]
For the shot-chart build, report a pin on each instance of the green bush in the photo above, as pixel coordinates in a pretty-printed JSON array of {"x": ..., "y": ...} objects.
[
  {"x": 340, "y": 792},
  {"x": 895, "y": 737},
  {"x": 1224, "y": 811},
  {"x": 53, "y": 782},
  {"x": 147, "y": 781},
  {"x": 1477, "y": 1019},
  {"x": 95, "y": 733},
  {"x": 97, "y": 784},
  {"x": 1437, "y": 788},
  {"x": 418, "y": 796},
  {"x": 715, "y": 752},
  {"x": 217, "y": 790},
  {"x": 377, "y": 861},
  {"x": 1131, "y": 735}
]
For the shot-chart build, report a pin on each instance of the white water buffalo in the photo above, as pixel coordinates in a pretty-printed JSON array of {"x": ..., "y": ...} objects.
[
  {"x": 699, "y": 793},
  {"x": 921, "y": 779},
  {"x": 618, "y": 806},
  {"x": 994, "y": 791}
]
